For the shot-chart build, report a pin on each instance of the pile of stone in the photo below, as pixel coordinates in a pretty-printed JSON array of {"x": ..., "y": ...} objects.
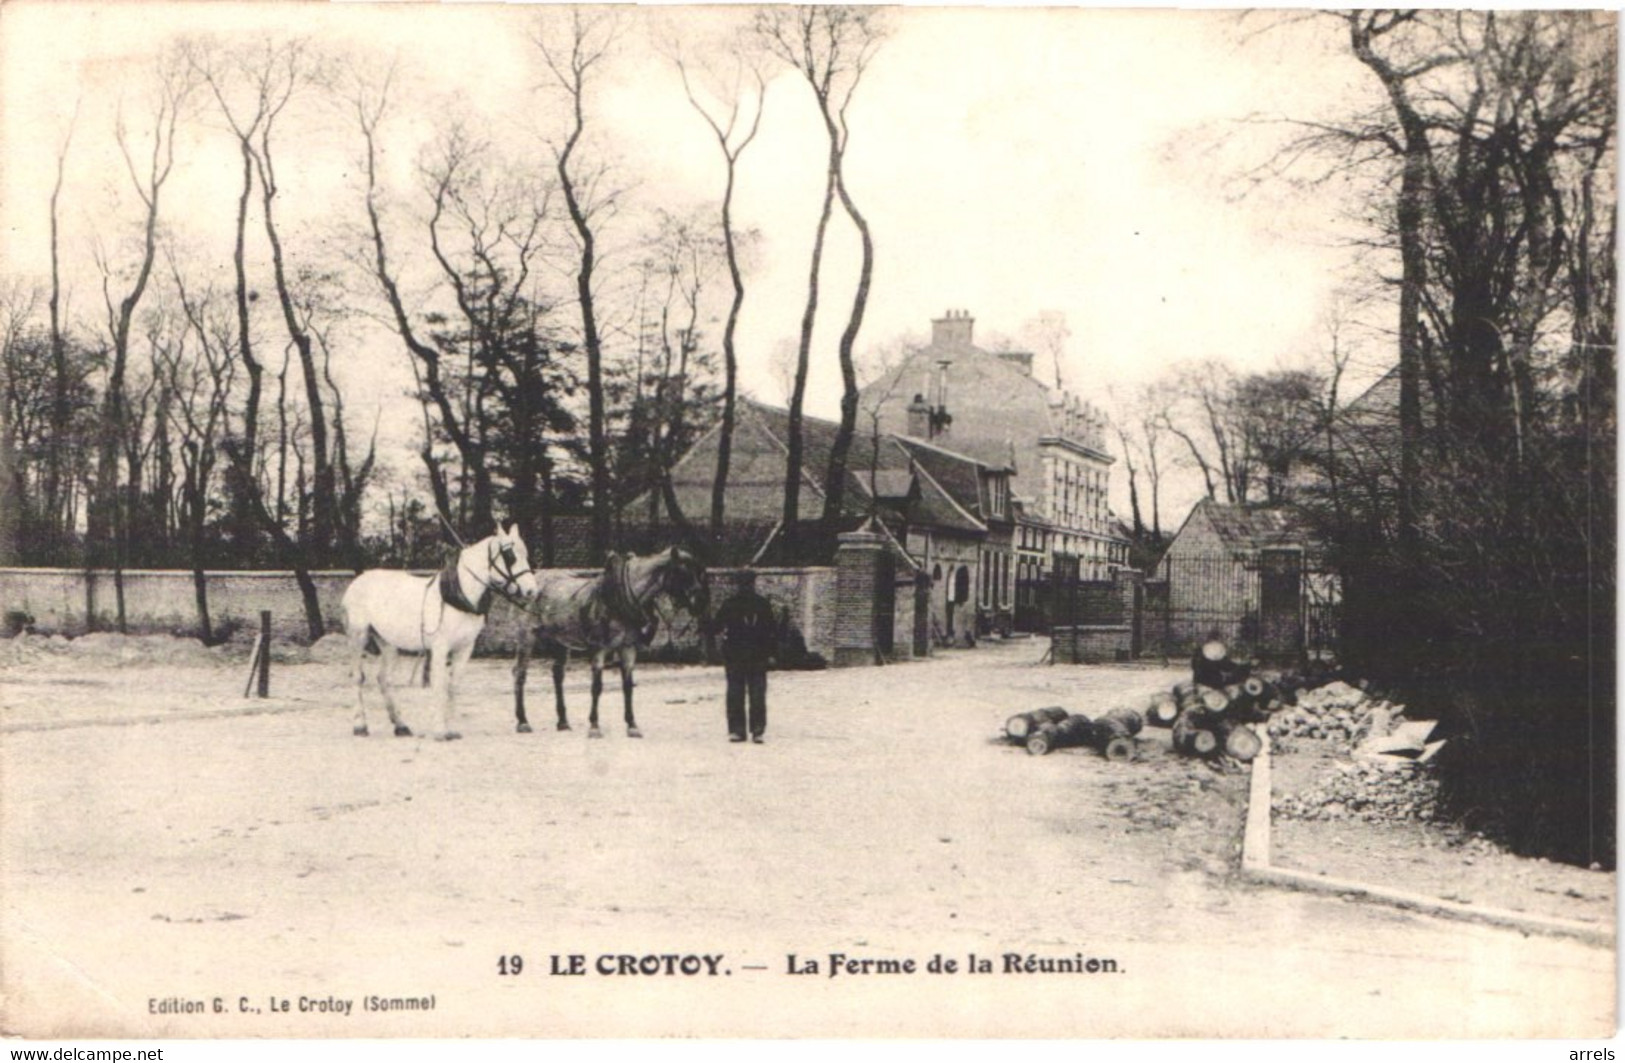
[
  {"x": 1364, "y": 790},
  {"x": 1335, "y": 712},
  {"x": 1352, "y": 719}
]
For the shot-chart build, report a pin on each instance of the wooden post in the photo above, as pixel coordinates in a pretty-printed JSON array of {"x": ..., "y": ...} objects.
[{"x": 265, "y": 654}]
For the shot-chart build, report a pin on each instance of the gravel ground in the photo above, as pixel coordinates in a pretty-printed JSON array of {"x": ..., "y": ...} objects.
[
  {"x": 1423, "y": 857},
  {"x": 256, "y": 851}
]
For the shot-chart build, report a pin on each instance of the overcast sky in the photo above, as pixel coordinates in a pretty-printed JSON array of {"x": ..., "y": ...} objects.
[{"x": 1009, "y": 161}]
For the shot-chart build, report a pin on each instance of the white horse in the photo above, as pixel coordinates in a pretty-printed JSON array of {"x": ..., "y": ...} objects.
[{"x": 440, "y": 615}]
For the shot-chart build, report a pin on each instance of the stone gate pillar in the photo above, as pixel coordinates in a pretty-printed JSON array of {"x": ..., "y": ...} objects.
[{"x": 859, "y": 568}]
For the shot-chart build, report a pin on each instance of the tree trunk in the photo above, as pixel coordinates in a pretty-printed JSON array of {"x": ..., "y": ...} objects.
[
  {"x": 730, "y": 358},
  {"x": 835, "y": 482},
  {"x": 324, "y": 485},
  {"x": 243, "y": 533},
  {"x": 793, "y": 447},
  {"x": 597, "y": 445}
]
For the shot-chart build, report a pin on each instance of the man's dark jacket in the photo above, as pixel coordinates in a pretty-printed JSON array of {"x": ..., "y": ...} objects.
[{"x": 749, "y": 630}]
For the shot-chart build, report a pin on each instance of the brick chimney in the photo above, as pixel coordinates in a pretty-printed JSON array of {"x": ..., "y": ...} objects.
[{"x": 953, "y": 330}]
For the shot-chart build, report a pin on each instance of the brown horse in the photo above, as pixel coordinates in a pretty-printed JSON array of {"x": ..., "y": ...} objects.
[{"x": 609, "y": 613}]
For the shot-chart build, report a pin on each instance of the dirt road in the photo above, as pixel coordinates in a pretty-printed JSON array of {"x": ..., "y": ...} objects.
[{"x": 242, "y": 855}]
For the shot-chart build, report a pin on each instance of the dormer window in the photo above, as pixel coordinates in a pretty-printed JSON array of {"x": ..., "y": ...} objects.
[{"x": 998, "y": 494}]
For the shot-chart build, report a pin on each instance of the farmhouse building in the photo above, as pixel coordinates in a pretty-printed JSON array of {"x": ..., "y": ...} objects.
[
  {"x": 990, "y": 407},
  {"x": 951, "y": 515},
  {"x": 1250, "y": 573}
]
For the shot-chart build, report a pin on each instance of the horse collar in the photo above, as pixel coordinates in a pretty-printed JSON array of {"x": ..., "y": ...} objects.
[{"x": 451, "y": 592}]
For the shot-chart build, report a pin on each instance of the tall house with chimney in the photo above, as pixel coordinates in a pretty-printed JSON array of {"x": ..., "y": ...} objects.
[{"x": 989, "y": 405}]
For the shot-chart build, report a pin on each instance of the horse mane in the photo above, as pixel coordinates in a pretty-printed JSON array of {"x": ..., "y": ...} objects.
[{"x": 618, "y": 595}]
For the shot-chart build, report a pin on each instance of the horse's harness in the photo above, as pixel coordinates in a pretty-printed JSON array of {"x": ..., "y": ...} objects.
[
  {"x": 622, "y": 599},
  {"x": 451, "y": 584}
]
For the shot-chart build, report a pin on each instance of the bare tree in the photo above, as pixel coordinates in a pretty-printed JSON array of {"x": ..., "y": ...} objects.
[
  {"x": 830, "y": 47},
  {"x": 148, "y": 177},
  {"x": 572, "y": 49},
  {"x": 1046, "y": 333},
  {"x": 1467, "y": 487},
  {"x": 883, "y": 382},
  {"x": 741, "y": 102},
  {"x": 200, "y": 375},
  {"x": 487, "y": 231},
  {"x": 370, "y": 103},
  {"x": 17, "y": 308},
  {"x": 52, "y": 524},
  {"x": 253, "y": 86}
]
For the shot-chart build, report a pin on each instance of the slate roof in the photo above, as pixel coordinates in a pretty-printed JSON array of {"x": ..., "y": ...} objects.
[
  {"x": 815, "y": 544},
  {"x": 924, "y": 484},
  {"x": 1247, "y": 529},
  {"x": 949, "y": 495}
]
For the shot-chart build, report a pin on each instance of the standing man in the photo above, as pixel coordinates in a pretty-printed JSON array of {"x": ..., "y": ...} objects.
[{"x": 749, "y": 639}]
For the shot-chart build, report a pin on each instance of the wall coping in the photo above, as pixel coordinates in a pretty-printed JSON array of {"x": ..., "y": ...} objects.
[
  {"x": 347, "y": 573},
  {"x": 186, "y": 573}
]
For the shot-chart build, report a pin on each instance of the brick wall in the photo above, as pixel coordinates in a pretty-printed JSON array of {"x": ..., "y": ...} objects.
[
  {"x": 162, "y": 602},
  {"x": 859, "y": 566},
  {"x": 1091, "y": 643}
]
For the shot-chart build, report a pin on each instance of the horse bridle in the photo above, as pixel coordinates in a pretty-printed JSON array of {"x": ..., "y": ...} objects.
[{"x": 510, "y": 578}]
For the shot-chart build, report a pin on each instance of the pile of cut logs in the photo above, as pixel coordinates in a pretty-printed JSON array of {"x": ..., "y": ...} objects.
[
  {"x": 1212, "y": 714},
  {"x": 1210, "y": 721},
  {"x": 1045, "y": 730}
]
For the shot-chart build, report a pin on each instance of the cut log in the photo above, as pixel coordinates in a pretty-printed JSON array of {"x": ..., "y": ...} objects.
[
  {"x": 1042, "y": 740},
  {"x": 1242, "y": 742},
  {"x": 1119, "y": 750},
  {"x": 1132, "y": 721},
  {"x": 1193, "y": 734},
  {"x": 1073, "y": 730},
  {"x": 1113, "y": 734},
  {"x": 1023, "y": 724},
  {"x": 1194, "y": 697},
  {"x": 1254, "y": 686},
  {"x": 1163, "y": 710},
  {"x": 1215, "y": 650}
]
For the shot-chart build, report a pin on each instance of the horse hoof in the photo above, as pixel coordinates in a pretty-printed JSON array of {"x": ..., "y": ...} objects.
[
  {"x": 449, "y": 736},
  {"x": 523, "y": 728},
  {"x": 595, "y": 733},
  {"x": 402, "y": 731},
  {"x": 633, "y": 732},
  {"x": 360, "y": 732},
  {"x": 563, "y": 726}
]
